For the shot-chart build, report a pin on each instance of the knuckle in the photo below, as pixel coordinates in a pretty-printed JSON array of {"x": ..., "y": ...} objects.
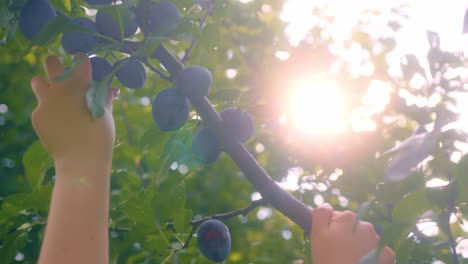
[{"x": 349, "y": 215}]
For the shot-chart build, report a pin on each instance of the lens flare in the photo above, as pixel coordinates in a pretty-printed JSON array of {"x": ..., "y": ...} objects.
[{"x": 317, "y": 106}]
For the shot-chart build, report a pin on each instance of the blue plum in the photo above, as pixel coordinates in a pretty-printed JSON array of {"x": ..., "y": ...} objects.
[
  {"x": 194, "y": 81},
  {"x": 206, "y": 146},
  {"x": 108, "y": 22},
  {"x": 73, "y": 42},
  {"x": 170, "y": 110},
  {"x": 158, "y": 18},
  {"x": 101, "y": 68},
  {"x": 34, "y": 16},
  {"x": 130, "y": 72},
  {"x": 238, "y": 123},
  {"x": 214, "y": 240}
]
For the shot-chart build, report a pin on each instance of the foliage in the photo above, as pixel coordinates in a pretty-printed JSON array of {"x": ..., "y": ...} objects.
[{"x": 160, "y": 191}]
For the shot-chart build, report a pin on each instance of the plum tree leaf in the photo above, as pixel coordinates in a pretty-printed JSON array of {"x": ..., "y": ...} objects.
[
  {"x": 56, "y": 26},
  {"x": 410, "y": 207},
  {"x": 36, "y": 161},
  {"x": 12, "y": 243},
  {"x": 411, "y": 152},
  {"x": 96, "y": 97}
]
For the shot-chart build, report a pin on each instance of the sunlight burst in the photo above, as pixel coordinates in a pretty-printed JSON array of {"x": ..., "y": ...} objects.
[{"x": 316, "y": 106}]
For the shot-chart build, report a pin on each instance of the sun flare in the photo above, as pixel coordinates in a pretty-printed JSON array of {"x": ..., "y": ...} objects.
[{"x": 317, "y": 106}]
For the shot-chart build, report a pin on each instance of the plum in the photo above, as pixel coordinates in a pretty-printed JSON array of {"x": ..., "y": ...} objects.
[
  {"x": 130, "y": 72},
  {"x": 158, "y": 18},
  {"x": 73, "y": 42},
  {"x": 194, "y": 81},
  {"x": 214, "y": 240},
  {"x": 238, "y": 123},
  {"x": 108, "y": 22},
  {"x": 101, "y": 68},
  {"x": 170, "y": 110},
  {"x": 206, "y": 146},
  {"x": 34, "y": 16}
]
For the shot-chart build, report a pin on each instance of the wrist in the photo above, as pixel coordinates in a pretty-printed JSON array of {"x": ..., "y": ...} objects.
[{"x": 82, "y": 170}]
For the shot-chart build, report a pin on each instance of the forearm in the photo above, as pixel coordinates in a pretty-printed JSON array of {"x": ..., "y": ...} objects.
[{"x": 77, "y": 228}]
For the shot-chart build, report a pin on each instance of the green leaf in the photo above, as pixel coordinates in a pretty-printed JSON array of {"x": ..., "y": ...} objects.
[
  {"x": 139, "y": 208},
  {"x": 38, "y": 200},
  {"x": 56, "y": 26},
  {"x": 12, "y": 244},
  {"x": 9, "y": 33},
  {"x": 96, "y": 97},
  {"x": 170, "y": 205},
  {"x": 411, "y": 152},
  {"x": 36, "y": 162},
  {"x": 5, "y": 17},
  {"x": 411, "y": 207},
  {"x": 182, "y": 220}
]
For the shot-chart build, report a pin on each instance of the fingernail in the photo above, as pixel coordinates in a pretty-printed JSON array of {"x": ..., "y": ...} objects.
[{"x": 327, "y": 205}]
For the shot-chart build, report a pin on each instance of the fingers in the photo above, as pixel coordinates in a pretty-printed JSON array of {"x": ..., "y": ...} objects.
[
  {"x": 82, "y": 72},
  {"x": 321, "y": 217},
  {"x": 53, "y": 68},
  {"x": 387, "y": 256},
  {"x": 346, "y": 219},
  {"x": 40, "y": 87}
]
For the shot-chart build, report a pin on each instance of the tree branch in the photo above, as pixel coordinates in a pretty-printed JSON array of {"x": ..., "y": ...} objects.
[
  {"x": 154, "y": 69},
  {"x": 281, "y": 200}
]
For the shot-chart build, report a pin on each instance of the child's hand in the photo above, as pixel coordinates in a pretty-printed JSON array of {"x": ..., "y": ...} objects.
[
  {"x": 62, "y": 120},
  {"x": 337, "y": 239}
]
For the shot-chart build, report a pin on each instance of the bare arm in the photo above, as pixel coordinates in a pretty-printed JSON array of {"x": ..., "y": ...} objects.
[{"x": 77, "y": 226}]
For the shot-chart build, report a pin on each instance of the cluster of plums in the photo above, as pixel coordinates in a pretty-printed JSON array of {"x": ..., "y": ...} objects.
[
  {"x": 170, "y": 109},
  {"x": 113, "y": 23}
]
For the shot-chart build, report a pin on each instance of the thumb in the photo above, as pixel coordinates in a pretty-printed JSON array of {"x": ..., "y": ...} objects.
[{"x": 112, "y": 93}]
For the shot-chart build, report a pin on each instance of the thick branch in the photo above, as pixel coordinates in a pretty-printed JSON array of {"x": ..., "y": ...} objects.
[{"x": 281, "y": 200}]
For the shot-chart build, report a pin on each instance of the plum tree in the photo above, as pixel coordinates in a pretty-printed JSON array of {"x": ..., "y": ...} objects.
[
  {"x": 214, "y": 240},
  {"x": 73, "y": 42},
  {"x": 34, "y": 16},
  {"x": 130, "y": 72},
  {"x": 205, "y": 145},
  {"x": 158, "y": 18},
  {"x": 170, "y": 110},
  {"x": 99, "y": 2},
  {"x": 110, "y": 22},
  {"x": 101, "y": 68},
  {"x": 238, "y": 123},
  {"x": 194, "y": 81}
]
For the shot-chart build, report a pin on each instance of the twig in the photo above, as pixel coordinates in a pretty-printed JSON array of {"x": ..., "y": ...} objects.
[
  {"x": 243, "y": 211},
  {"x": 154, "y": 69},
  {"x": 195, "y": 40}
]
